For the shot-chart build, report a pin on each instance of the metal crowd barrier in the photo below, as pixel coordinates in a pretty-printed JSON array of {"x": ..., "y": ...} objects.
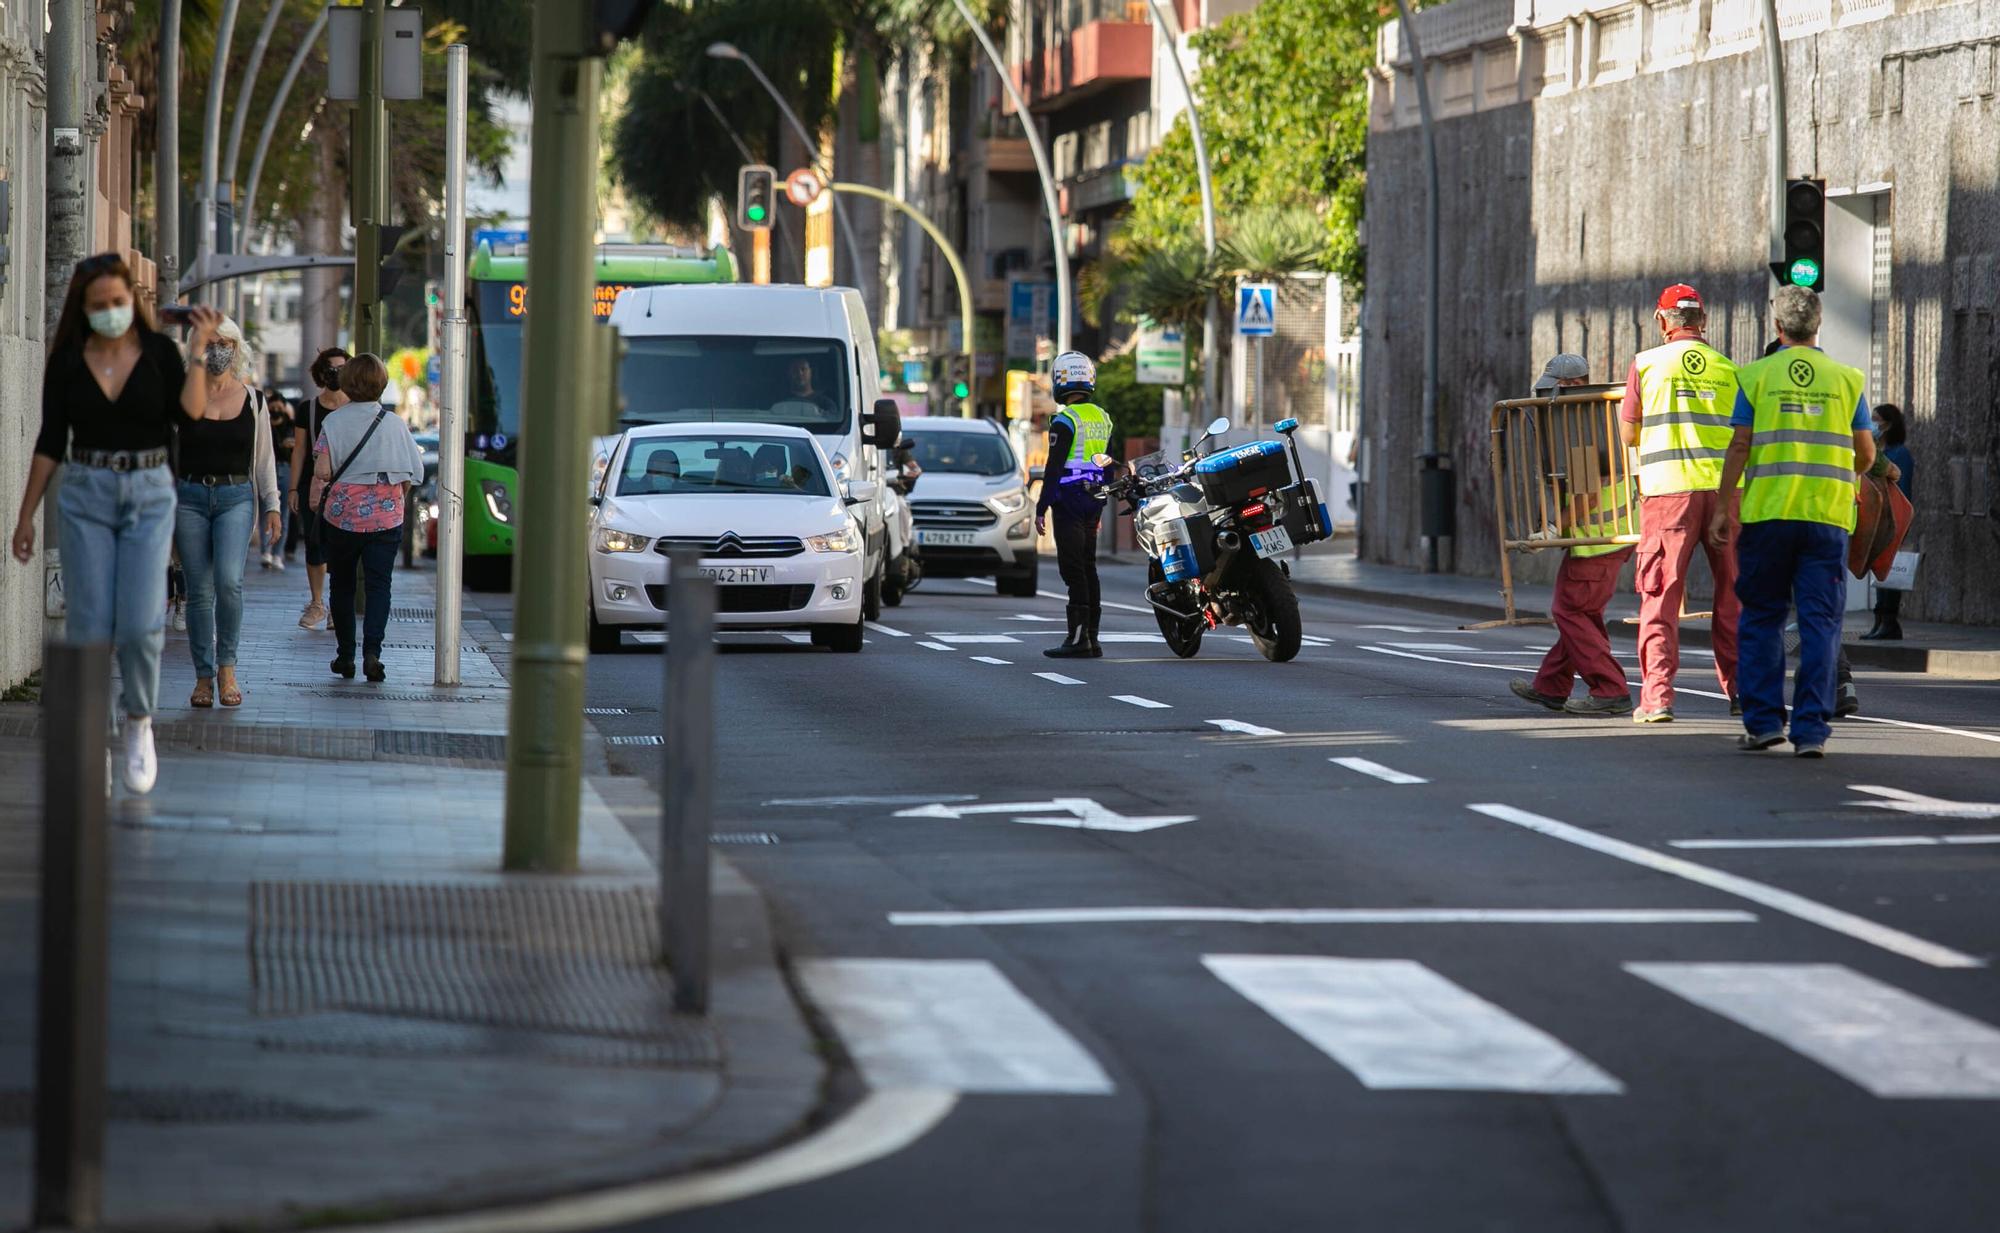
[{"x": 1550, "y": 456}]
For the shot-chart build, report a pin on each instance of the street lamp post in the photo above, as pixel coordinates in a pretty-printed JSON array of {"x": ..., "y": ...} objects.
[
  {"x": 957, "y": 265},
  {"x": 271, "y": 117},
  {"x": 211, "y": 136},
  {"x": 1210, "y": 323},
  {"x": 1041, "y": 153},
  {"x": 730, "y": 51},
  {"x": 167, "y": 160},
  {"x": 244, "y": 92}
]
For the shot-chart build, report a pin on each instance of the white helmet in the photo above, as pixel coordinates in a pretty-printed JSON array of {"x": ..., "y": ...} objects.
[{"x": 1072, "y": 373}]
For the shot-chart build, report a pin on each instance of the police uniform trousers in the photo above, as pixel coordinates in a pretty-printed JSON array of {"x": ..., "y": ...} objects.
[{"x": 1076, "y": 516}]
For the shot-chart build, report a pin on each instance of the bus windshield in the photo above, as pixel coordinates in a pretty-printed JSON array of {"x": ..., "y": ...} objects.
[
  {"x": 797, "y": 382},
  {"x": 498, "y": 310}
]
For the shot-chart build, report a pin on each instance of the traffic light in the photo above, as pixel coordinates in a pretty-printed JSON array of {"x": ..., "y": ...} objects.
[
  {"x": 1805, "y": 236},
  {"x": 961, "y": 380},
  {"x": 756, "y": 197},
  {"x": 390, "y": 272}
]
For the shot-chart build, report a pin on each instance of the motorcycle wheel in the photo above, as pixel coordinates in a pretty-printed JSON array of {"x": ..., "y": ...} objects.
[
  {"x": 1183, "y": 636},
  {"x": 1275, "y": 626}
]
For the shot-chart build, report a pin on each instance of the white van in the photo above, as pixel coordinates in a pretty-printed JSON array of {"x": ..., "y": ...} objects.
[{"x": 803, "y": 357}]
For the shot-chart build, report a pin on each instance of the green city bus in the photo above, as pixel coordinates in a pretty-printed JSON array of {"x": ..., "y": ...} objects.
[{"x": 497, "y": 309}]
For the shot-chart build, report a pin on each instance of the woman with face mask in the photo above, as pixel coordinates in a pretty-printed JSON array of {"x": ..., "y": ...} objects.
[
  {"x": 112, "y": 389},
  {"x": 227, "y": 478}
]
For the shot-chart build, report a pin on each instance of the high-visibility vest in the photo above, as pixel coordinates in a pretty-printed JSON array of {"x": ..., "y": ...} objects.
[
  {"x": 1802, "y": 438},
  {"x": 1688, "y": 390},
  {"x": 1090, "y": 435},
  {"x": 1609, "y": 516}
]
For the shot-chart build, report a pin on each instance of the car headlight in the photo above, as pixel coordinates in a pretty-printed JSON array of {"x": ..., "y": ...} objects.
[
  {"x": 498, "y": 503},
  {"x": 839, "y": 541},
  {"x": 611, "y": 539},
  {"x": 1022, "y": 529},
  {"x": 1008, "y": 502}
]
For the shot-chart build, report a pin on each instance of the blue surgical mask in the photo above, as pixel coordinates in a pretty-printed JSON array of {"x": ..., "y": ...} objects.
[{"x": 111, "y": 322}]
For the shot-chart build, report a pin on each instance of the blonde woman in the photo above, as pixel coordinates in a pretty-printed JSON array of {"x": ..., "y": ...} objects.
[{"x": 228, "y": 475}]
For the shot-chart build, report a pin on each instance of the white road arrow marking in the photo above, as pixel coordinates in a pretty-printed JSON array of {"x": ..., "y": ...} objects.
[
  {"x": 1247, "y": 729},
  {"x": 1913, "y": 802},
  {"x": 1084, "y": 814}
]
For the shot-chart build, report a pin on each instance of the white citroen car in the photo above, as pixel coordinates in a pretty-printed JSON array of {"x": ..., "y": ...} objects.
[{"x": 760, "y": 501}]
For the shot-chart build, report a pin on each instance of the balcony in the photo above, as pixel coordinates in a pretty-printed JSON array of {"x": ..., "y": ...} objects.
[{"x": 1111, "y": 45}]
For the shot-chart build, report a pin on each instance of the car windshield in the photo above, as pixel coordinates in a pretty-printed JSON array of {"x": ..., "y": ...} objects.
[
  {"x": 796, "y": 382},
  {"x": 679, "y": 465},
  {"x": 972, "y": 453}
]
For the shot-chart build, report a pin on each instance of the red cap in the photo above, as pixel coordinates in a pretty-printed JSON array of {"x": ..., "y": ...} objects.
[{"x": 1680, "y": 295}]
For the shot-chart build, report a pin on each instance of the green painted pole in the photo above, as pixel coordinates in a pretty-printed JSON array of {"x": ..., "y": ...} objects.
[
  {"x": 957, "y": 272},
  {"x": 370, "y": 206},
  {"x": 545, "y": 723}
]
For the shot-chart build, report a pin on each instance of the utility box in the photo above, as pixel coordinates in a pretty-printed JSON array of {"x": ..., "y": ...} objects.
[{"x": 402, "y": 53}]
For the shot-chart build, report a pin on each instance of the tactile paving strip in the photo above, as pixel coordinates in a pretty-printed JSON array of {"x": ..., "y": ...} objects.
[
  {"x": 437, "y": 745},
  {"x": 566, "y": 972}
]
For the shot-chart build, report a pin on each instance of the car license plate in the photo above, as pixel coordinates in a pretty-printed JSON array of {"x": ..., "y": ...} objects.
[
  {"x": 1270, "y": 543},
  {"x": 737, "y": 573},
  {"x": 946, "y": 539}
]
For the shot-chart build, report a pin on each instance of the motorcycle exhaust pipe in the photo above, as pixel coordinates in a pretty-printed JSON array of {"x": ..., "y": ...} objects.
[{"x": 1169, "y": 609}]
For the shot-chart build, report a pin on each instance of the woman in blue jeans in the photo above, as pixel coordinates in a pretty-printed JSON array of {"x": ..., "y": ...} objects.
[
  {"x": 227, "y": 477},
  {"x": 110, "y": 394}
]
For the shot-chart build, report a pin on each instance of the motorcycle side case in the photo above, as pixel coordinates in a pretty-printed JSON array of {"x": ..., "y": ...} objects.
[
  {"x": 1302, "y": 513},
  {"x": 1183, "y": 538},
  {"x": 1228, "y": 478}
]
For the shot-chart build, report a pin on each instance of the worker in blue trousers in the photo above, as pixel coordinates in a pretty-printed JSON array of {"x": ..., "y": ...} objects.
[{"x": 1801, "y": 432}]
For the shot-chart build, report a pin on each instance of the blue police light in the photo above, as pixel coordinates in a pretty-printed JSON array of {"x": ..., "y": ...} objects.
[{"x": 1288, "y": 425}]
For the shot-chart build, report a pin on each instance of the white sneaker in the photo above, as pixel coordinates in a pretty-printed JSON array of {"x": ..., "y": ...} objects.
[
  {"x": 180, "y": 618},
  {"x": 265, "y": 560},
  {"x": 142, "y": 764},
  {"x": 277, "y": 563}
]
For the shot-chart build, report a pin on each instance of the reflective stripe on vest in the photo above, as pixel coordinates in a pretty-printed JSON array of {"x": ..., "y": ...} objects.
[
  {"x": 1802, "y": 439},
  {"x": 1090, "y": 435},
  {"x": 1687, "y": 390},
  {"x": 1613, "y": 513}
]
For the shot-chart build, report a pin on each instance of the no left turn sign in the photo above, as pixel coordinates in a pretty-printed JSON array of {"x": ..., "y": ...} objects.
[{"x": 803, "y": 187}]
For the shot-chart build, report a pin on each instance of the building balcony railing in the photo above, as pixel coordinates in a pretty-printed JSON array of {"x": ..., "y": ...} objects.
[{"x": 1096, "y": 54}]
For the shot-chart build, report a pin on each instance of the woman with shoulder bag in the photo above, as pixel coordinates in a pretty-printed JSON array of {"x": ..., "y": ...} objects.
[
  {"x": 312, "y": 412},
  {"x": 363, "y": 465},
  {"x": 112, "y": 390},
  {"x": 227, "y": 477}
]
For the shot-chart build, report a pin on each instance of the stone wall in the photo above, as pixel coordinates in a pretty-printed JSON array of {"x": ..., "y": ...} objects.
[
  {"x": 1591, "y": 156},
  {"x": 22, "y": 143}
]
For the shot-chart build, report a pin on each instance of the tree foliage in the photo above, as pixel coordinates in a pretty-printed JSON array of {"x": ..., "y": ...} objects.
[{"x": 1283, "y": 94}]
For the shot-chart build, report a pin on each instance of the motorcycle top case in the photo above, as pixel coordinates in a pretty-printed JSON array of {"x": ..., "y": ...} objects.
[{"x": 1228, "y": 478}]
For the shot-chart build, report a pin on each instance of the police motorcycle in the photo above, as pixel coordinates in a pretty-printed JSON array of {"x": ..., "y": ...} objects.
[{"x": 1213, "y": 526}]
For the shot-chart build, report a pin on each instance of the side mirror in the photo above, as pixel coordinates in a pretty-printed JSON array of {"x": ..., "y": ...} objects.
[
  {"x": 1218, "y": 426},
  {"x": 859, "y": 492},
  {"x": 596, "y": 499},
  {"x": 884, "y": 425},
  {"x": 906, "y": 444}
]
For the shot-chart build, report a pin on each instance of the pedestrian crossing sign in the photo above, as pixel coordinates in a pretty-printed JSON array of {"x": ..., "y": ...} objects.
[{"x": 1256, "y": 309}]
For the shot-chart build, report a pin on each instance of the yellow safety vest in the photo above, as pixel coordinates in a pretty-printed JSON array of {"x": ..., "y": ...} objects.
[
  {"x": 1687, "y": 389},
  {"x": 1802, "y": 439},
  {"x": 1090, "y": 435},
  {"x": 1609, "y": 517}
]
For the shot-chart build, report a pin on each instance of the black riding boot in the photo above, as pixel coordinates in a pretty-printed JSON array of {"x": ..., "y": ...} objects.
[
  {"x": 1888, "y": 617},
  {"x": 1077, "y": 645},
  {"x": 1096, "y": 618}
]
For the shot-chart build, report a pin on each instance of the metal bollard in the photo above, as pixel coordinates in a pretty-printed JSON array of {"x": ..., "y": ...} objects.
[
  {"x": 70, "y": 1031},
  {"x": 686, "y": 811}
]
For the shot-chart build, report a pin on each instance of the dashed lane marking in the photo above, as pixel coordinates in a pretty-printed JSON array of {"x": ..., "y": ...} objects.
[
  {"x": 1397, "y": 1024},
  {"x": 1892, "y": 940},
  {"x": 956, "y": 1024},
  {"x": 973, "y": 639},
  {"x": 1136, "y": 700},
  {"x": 1386, "y": 774},
  {"x": 1328, "y": 916},
  {"x": 1057, "y": 678},
  {"x": 1886, "y": 1041},
  {"x": 936, "y": 646},
  {"x": 1441, "y": 646},
  {"x": 884, "y": 629},
  {"x": 1245, "y": 729},
  {"x": 988, "y": 659}
]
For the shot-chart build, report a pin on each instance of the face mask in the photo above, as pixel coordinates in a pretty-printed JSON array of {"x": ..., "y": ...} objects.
[
  {"x": 217, "y": 358},
  {"x": 111, "y": 322}
]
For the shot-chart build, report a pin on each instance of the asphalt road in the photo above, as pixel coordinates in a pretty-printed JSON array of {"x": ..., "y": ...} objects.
[{"x": 1423, "y": 958}]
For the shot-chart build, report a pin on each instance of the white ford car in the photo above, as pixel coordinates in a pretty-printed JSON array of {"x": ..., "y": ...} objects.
[{"x": 760, "y": 501}]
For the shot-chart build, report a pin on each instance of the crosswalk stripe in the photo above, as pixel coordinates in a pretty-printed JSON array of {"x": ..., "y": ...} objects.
[
  {"x": 1387, "y": 774},
  {"x": 948, "y": 1023},
  {"x": 1397, "y": 1024},
  {"x": 1889, "y": 1042},
  {"x": 884, "y": 629}
]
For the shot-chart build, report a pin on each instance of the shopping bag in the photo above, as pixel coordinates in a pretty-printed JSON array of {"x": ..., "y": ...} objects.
[{"x": 1902, "y": 575}]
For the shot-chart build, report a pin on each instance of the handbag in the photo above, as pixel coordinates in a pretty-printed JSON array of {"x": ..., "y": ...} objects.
[{"x": 319, "y": 511}]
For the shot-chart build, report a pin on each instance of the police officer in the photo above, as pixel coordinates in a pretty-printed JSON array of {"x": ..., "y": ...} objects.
[
  {"x": 1800, "y": 433},
  {"x": 1073, "y": 486}
]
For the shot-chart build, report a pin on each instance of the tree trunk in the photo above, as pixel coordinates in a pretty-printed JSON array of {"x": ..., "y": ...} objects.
[
  {"x": 858, "y": 154},
  {"x": 319, "y": 307}
]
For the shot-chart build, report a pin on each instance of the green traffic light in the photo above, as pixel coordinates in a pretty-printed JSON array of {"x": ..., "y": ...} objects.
[
  {"x": 1804, "y": 272},
  {"x": 960, "y": 390},
  {"x": 755, "y": 213}
]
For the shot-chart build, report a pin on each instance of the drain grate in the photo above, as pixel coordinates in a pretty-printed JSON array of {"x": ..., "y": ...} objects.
[
  {"x": 620, "y": 710},
  {"x": 412, "y": 614},
  {"x": 437, "y": 745},
  {"x": 563, "y": 970},
  {"x": 185, "y": 1106},
  {"x": 743, "y": 837},
  {"x": 650, "y": 739},
  {"x": 377, "y": 695}
]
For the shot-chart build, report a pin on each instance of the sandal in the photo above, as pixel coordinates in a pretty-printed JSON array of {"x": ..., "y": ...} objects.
[
  {"x": 204, "y": 693},
  {"x": 231, "y": 695}
]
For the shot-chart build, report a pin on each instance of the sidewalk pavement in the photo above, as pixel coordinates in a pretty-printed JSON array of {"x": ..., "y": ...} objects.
[
  {"x": 328, "y": 1004},
  {"x": 1968, "y": 651}
]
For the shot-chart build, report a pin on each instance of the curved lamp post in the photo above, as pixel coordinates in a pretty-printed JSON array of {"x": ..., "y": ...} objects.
[
  {"x": 730, "y": 51},
  {"x": 1211, "y": 325},
  {"x": 211, "y": 134},
  {"x": 1041, "y": 154},
  {"x": 271, "y": 116},
  {"x": 957, "y": 272}
]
